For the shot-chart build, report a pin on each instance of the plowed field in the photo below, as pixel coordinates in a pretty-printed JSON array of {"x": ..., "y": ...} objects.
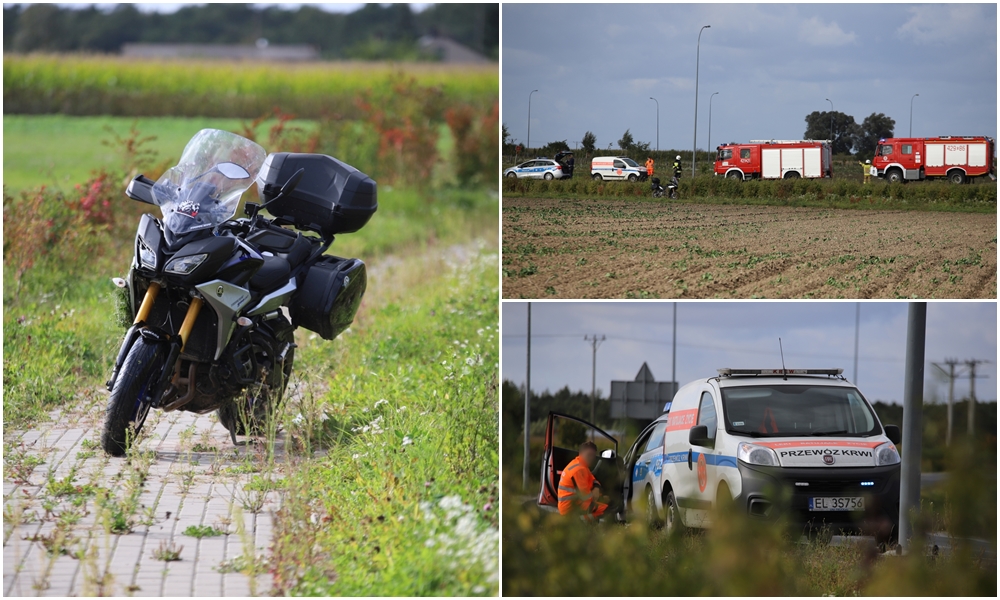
[{"x": 565, "y": 248}]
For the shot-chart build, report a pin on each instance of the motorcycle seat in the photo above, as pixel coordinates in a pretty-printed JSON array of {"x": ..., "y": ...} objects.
[
  {"x": 272, "y": 274},
  {"x": 289, "y": 245}
]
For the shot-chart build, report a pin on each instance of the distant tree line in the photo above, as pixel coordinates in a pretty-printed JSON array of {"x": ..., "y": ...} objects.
[
  {"x": 373, "y": 32},
  {"x": 846, "y": 135}
]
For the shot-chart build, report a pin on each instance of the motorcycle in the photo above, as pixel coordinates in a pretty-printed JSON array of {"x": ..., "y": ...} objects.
[
  {"x": 215, "y": 301},
  {"x": 670, "y": 191}
]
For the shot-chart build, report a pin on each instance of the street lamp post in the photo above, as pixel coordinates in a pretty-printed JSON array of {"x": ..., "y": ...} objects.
[
  {"x": 911, "y": 113},
  {"x": 710, "y": 121},
  {"x": 658, "y": 122},
  {"x": 528, "y": 143},
  {"x": 831, "y": 123},
  {"x": 697, "y": 61}
]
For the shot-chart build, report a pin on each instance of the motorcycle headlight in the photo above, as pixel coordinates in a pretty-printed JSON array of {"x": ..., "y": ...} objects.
[
  {"x": 185, "y": 264},
  {"x": 146, "y": 255},
  {"x": 886, "y": 454},
  {"x": 752, "y": 454}
]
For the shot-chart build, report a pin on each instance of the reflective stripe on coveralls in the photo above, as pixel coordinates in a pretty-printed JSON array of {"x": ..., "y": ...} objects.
[{"x": 576, "y": 486}]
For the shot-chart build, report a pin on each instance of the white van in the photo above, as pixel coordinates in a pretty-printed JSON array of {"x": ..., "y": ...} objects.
[
  {"x": 744, "y": 436},
  {"x": 611, "y": 168}
]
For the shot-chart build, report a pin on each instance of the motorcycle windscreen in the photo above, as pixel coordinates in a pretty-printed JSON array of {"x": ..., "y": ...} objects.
[
  {"x": 204, "y": 188},
  {"x": 563, "y": 436}
]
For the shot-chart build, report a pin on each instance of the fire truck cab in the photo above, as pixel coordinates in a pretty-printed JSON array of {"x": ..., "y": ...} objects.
[
  {"x": 957, "y": 158},
  {"x": 774, "y": 159}
]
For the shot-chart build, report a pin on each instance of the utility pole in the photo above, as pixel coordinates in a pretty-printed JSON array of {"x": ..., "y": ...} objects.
[
  {"x": 972, "y": 393},
  {"x": 831, "y": 123},
  {"x": 710, "y": 120},
  {"x": 950, "y": 373},
  {"x": 857, "y": 335},
  {"x": 527, "y": 407},
  {"x": 657, "y": 122},
  {"x": 673, "y": 353},
  {"x": 911, "y": 113},
  {"x": 913, "y": 415},
  {"x": 595, "y": 342},
  {"x": 527, "y": 146}
]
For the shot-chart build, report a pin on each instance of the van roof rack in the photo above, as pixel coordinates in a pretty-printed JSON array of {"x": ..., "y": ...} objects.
[{"x": 780, "y": 372}]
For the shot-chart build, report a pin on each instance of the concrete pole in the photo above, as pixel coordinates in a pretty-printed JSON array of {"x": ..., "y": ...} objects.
[
  {"x": 831, "y": 126},
  {"x": 527, "y": 147},
  {"x": 972, "y": 396},
  {"x": 710, "y": 120},
  {"x": 527, "y": 407},
  {"x": 913, "y": 406},
  {"x": 673, "y": 353},
  {"x": 911, "y": 113},
  {"x": 857, "y": 335},
  {"x": 951, "y": 401},
  {"x": 594, "y": 342},
  {"x": 657, "y": 122}
]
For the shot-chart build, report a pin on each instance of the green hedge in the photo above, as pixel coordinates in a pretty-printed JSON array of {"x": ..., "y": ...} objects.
[{"x": 785, "y": 191}]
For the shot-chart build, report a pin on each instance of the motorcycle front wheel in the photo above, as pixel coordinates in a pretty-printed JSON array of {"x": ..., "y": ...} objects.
[{"x": 128, "y": 404}]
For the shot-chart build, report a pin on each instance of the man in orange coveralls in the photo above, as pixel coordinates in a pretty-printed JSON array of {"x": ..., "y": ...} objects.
[{"x": 578, "y": 488}]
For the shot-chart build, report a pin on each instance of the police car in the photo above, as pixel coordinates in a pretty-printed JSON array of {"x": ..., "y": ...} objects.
[
  {"x": 537, "y": 168},
  {"x": 802, "y": 443}
]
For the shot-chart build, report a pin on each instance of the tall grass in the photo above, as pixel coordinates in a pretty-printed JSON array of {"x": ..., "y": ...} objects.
[{"x": 100, "y": 85}]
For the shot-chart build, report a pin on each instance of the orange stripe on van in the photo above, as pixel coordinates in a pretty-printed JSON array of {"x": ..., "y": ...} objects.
[
  {"x": 682, "y": 419},
  {"x": 819, "y": 442}
]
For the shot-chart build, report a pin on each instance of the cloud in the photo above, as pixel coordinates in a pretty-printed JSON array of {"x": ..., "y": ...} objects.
[
  {"x": 936, "y": 23},
  {"x": 818, "y": 33}
]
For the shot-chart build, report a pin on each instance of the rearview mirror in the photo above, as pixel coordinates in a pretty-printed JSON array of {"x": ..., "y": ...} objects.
[
  {"x": 698, "y": 436},
  {"x": 232, "y": 171},
  {"x": 892, "y": 432},
  {"x": 609, "y": 454}
]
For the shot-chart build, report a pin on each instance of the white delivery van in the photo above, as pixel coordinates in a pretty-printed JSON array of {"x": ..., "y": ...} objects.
[{"x": 616, "y": 168}]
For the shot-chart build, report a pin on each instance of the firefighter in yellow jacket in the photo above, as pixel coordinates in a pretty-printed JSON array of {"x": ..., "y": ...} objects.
[{"x": 867, "y": 168}]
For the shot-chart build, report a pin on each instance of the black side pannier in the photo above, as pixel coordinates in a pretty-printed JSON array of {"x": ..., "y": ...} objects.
[
  {"x": 332, "y": 197},
  {"x": 329, "y": 296}
]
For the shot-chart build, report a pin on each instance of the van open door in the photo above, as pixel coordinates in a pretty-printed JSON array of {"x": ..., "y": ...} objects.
[{"x": 563, "y": 436}]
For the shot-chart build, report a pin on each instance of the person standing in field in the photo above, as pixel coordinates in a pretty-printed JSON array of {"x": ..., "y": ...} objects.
[
  {"x": 866, "y": 167},
  {"x": 649, "y": 166},
  {"x": 579, "y": 490}
]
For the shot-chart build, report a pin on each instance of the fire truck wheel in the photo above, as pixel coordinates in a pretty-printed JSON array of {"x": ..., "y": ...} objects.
[
  {"x": 956, "y": 177},
  {"x": 792, "y": 175},
  {"x": 734, "y": 175},
  {"x": 894, "y": 176}
]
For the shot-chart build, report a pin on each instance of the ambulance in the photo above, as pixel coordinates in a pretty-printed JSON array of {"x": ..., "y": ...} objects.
[
  {"x": 803, "y": 444},
  {"x": 774, "y": 159},
  {"x": 956, "y": 158}
]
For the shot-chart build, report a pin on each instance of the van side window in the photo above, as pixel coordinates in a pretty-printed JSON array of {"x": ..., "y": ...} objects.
[
  {"x": 656, "y": 438},
  {"x": 707, "y": 415},
  {"x": 744, "y": 152},
  {"x": 619, "y": 164},
  {"x": 907, "y": 148}
]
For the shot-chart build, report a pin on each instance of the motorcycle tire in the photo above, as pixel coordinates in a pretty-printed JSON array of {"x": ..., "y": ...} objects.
[
  {"x": 128, "y": 405},
  {"x": 251, "y": 411}
]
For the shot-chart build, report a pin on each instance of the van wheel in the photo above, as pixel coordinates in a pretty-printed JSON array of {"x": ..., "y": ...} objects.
[
  {"x": 673, "y": 521},
  {"x": 894, "y": 176},
  {"x": 597, "y": 177},
  {"x": 956, "y": 177},
  {"x": 653, "y": 520},
  {"x": 633, "y": 177},
  {"x": 512, "y": 175},
  {"x": 734, "y": 175},
  {"x": 548, "y": 176}
]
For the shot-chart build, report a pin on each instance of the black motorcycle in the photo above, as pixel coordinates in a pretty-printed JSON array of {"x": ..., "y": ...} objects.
[
  {"x": 670, "y": 191},
  {"x": 258, "y": 277}
]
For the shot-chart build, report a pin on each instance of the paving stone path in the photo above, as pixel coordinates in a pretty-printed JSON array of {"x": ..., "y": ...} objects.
[{"x": 64, "y": 500}]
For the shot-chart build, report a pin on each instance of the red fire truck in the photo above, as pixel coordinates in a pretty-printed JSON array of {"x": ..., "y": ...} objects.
[
  {"x": 957, "y": 158},
  {"x": 774, "y": 159}
]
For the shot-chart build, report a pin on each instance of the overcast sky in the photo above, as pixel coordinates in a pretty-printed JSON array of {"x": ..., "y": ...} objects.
[
  {"x": 597, "y": 65},
  {"x": 163, "y": 7},
  {"x": 744, "y": 334}
]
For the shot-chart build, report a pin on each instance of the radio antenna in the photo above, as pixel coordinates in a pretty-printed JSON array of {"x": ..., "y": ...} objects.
[{"x": 784, "y": 371}]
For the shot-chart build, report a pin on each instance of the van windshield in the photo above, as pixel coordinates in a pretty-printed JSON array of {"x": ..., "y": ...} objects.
[
  {"x": 797, "y": 411},
  {"x": 630, "y": 162},
  {"x": 725, "y": 154}
]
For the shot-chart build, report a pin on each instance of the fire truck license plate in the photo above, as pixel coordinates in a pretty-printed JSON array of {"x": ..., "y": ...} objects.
[{"x": 841, "y": 503}]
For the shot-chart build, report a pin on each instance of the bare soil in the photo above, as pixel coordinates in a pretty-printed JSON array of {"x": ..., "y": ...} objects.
[{"x": 568, "y": 248}]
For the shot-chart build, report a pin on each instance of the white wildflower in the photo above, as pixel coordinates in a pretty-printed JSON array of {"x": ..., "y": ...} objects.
[{"x": 407, "y": 440}]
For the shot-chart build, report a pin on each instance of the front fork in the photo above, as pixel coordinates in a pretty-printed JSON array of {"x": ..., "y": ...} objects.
[{"x": 176, "y": 343}]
